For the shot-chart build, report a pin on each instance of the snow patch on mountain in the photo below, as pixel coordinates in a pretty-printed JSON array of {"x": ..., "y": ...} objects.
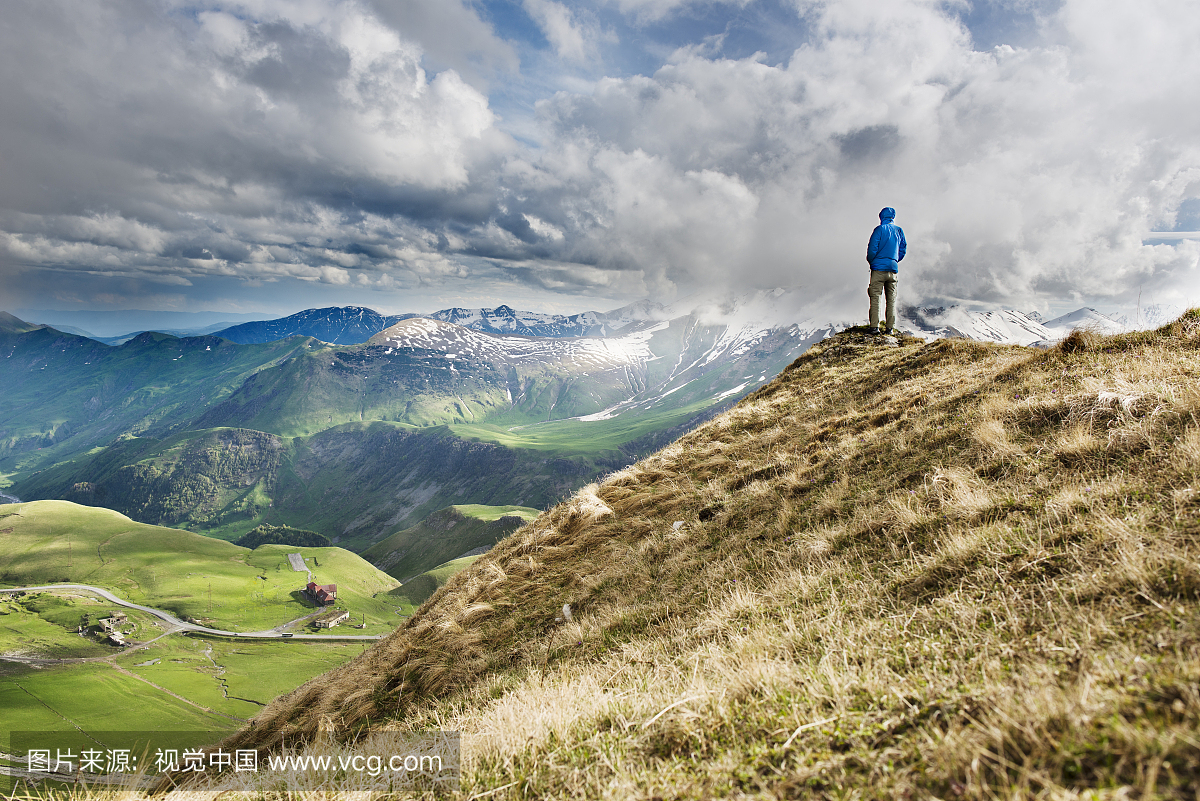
[
  {"x": 1088, "y": 319},
  {"x": 1002, "y": 325},
  {"x": 457, "y": 342},
  {"x": 506, "y": 320}
]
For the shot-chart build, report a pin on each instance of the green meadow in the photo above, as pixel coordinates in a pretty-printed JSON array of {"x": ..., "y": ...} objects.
[
  {"x": 169, "y": 683},
  {"x": 487, "y": 514},
  {"x": 235, "y": 678},
  {"x": 566, "y": 437},
  {"x": 25, "y": 633},
  {"x": 215, "y": 582},
  {"x": 181, "y": 684},
  {"x": 95, "y": 696}
]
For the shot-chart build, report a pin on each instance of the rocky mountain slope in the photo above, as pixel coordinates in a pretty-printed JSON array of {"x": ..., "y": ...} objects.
[
  {"x": 900, "y": 569},
  {"x": 1012, "y": 327}
]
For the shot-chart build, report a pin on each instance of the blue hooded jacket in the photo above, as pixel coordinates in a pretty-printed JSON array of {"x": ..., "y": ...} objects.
[{"x": 886, "y": 249}]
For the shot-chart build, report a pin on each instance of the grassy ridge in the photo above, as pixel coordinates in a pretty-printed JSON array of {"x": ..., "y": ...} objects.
[
  {"x": 445, "y": 535},
  {"x": 190, "y": 575},
  {"x": 945, "y": 570},
  {"x": 418, "y": 589}
]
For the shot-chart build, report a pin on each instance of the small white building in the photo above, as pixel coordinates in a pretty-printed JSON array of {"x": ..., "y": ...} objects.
[{"x": 331, "y": 619}]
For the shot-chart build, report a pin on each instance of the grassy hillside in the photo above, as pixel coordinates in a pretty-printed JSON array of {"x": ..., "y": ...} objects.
[
  {"x": 933, "y": 570},
  {"x": 226, "y": 586},
  {"x": 445, "y": 535},
  {"x": 205, "y": 687},
  {"x": 418, "y": 589}
]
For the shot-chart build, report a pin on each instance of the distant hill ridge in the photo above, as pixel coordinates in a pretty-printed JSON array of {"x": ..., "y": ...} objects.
[
  {"x": 898, "y": 570},
  {"x": 267, "y": 534},
  {"x": 352, "y": 325}
]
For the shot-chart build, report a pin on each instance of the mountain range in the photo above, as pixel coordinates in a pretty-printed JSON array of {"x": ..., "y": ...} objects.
[
  {"x": 1010, "y": 327},
  {"x": 359, "y": 440},
  {"x": 348, "y": 325},
  {"x": 351, "y": 325}
]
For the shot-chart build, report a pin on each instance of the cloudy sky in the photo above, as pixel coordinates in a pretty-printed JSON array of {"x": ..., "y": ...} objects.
[{"x": 271, "y": 155}]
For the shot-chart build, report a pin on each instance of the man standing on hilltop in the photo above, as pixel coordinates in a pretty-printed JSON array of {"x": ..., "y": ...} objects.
[{"x": 885, "y": 251}]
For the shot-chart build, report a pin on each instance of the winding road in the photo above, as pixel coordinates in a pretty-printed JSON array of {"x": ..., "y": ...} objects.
[{"x": 180, "y": 625}]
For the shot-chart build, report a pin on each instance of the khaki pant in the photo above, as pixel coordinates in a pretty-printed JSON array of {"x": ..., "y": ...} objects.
[{"x": 882, "y": 282}]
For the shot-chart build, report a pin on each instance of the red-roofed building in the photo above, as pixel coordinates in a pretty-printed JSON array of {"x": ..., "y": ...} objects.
[{"x": 323, "y": 594}]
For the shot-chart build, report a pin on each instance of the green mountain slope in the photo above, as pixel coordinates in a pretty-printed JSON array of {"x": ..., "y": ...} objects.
[
  {"x": 424, "y": 373},
  {"x": 65, "y": 394},
  {"x": 354, "y": 484},
  {"x": 945, "y": 570},
  {"x": 445, "y": 535},
  {"x": 220, "y": 438},
  {"x": 418, "y": 589}
]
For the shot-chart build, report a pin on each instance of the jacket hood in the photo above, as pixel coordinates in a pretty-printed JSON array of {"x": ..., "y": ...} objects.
[{"x": 887, "y": 215}]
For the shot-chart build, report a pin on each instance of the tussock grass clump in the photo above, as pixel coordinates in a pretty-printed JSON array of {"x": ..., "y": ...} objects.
[{"x": 951, "y": 570}]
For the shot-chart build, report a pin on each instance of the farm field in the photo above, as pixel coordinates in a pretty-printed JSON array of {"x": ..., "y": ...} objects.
[
  {"x": 235, "y": 678},
  {"x": 95, "y": 696}
]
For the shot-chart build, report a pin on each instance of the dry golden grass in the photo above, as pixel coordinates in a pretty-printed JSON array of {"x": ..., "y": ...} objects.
[{"x": 947, "y": 570}]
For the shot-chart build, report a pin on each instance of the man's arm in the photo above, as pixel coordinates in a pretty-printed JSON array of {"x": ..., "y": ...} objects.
[
  {"x": 873, "y": 245},
  {"x": 903, "y": 246}
]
